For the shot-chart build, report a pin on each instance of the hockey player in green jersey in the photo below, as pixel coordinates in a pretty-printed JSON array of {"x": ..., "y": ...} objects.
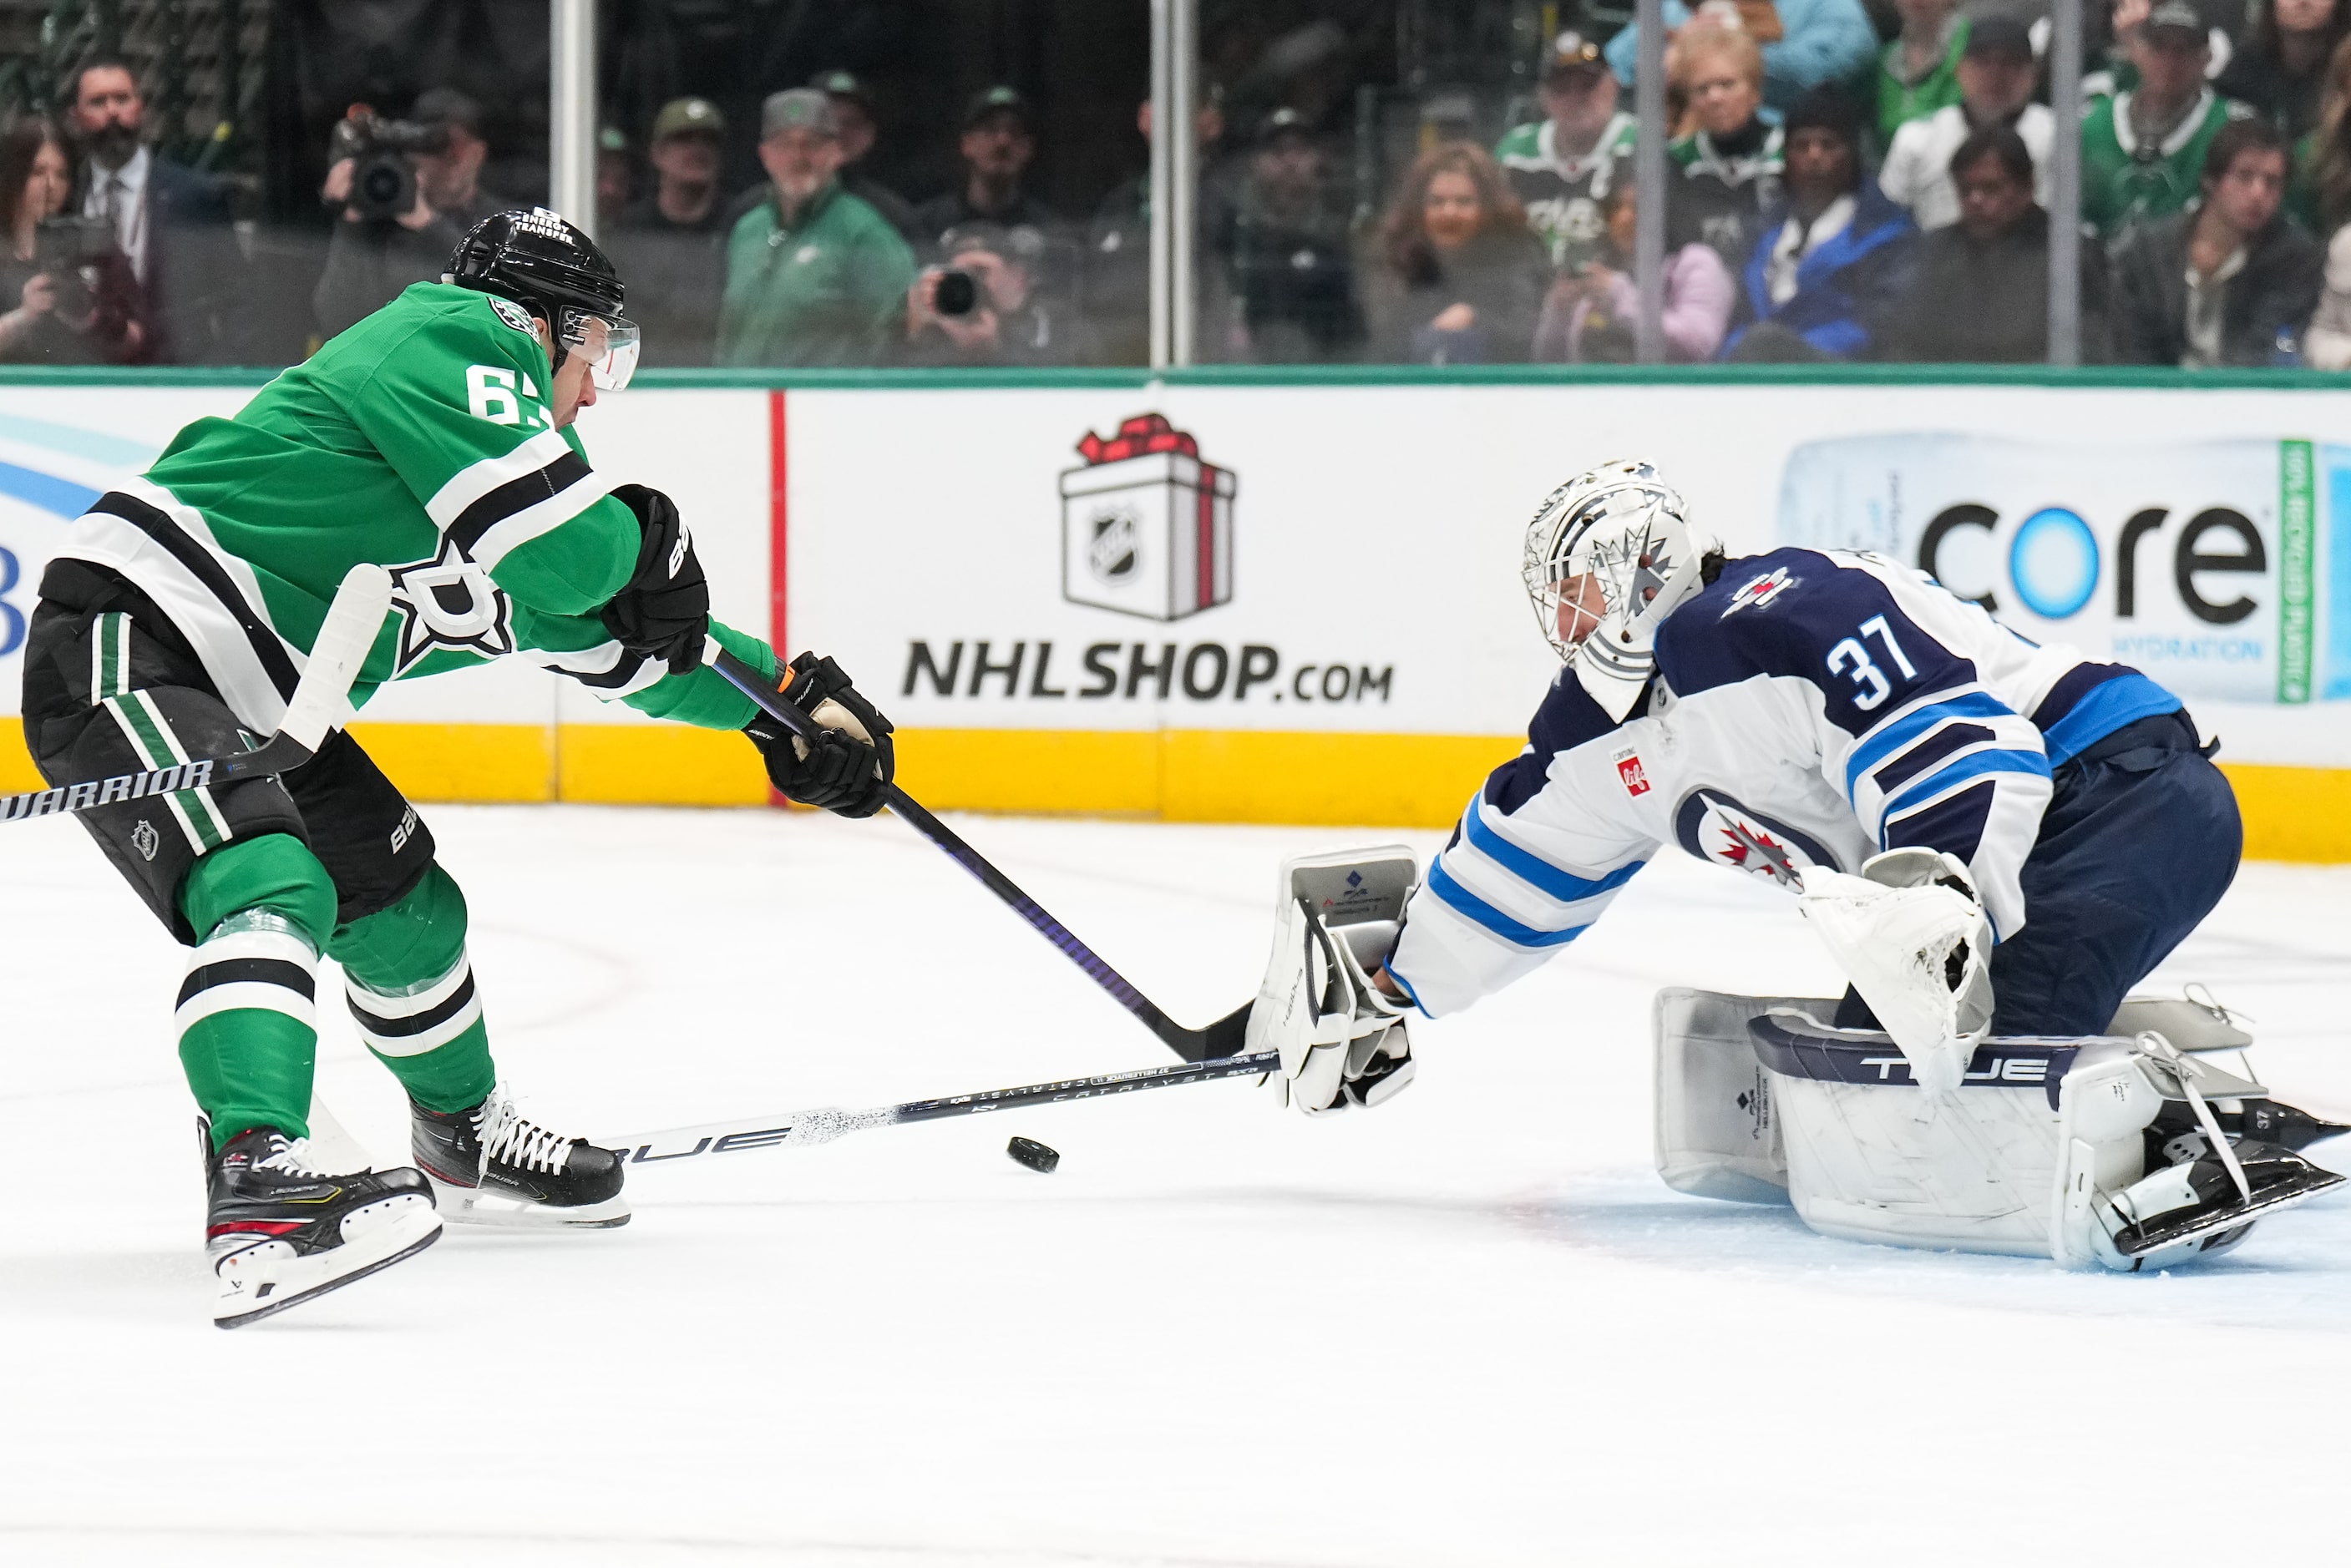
[{"x": 433, "y": 437}]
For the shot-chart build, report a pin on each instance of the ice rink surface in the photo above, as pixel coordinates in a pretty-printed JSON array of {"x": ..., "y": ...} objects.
[{"x": 1470, "y": 1328}]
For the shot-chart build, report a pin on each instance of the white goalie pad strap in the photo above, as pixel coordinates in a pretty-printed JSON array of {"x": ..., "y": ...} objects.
[
  {"x": 1341, "y": 1039},
  {"x": 1918, "y": 949}
]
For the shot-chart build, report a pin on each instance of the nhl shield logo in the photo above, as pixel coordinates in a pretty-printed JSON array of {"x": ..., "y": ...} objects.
[
  {"x": 1116, "y": 549},
  {"x": 145, "y": 839}
]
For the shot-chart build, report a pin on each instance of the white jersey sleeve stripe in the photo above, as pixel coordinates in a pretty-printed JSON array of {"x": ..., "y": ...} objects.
[{"x": 1899, "y": 732}]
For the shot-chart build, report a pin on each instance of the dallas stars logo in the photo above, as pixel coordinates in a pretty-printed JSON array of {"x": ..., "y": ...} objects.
[{"x": 449, "y": 602}]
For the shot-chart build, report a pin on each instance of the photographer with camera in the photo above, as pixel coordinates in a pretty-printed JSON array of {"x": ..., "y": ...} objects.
[
  {"x": 983, "y": 308},
  {"x": 409, "y": 191},
  {"x": 70, "y": 296}
]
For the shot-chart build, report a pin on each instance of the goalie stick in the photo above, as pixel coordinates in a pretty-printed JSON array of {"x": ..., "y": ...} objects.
[
  {"x": 1218, "y": 1040},
  {"x": 803, "y": 1128},
  {"x": 344, "y": 637}
]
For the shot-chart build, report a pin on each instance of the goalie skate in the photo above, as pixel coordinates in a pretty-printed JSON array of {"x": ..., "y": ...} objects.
[
  {"x": 2194, "y": 1208},
  {"x": 280, "y": 1233},
  {"x": 493, "y": 1165}
]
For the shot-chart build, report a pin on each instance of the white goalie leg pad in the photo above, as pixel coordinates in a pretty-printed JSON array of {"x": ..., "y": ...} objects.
[
  {"x": 1912, "y": 936},
  {"x": 1718, "y": 1128},
  {"x": 1871, "y": 1159},
  {"x": 1343, "y": 1043}
]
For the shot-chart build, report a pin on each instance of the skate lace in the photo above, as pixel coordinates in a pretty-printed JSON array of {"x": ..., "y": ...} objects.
[
  {"x": 509, "y": 1136},
  {"x": 290, "y": 1156}
]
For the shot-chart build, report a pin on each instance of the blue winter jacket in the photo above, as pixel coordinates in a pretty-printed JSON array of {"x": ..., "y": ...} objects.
[
  {"x": 1827, "y": 41},
  {"x": 1845, "y": 290}
]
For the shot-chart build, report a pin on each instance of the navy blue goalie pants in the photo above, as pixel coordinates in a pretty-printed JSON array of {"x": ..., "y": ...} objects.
[{"x": 2140, "y": 840}]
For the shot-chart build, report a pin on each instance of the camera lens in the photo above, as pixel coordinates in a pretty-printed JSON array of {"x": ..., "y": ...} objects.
[{"x": 957, "y": 294}]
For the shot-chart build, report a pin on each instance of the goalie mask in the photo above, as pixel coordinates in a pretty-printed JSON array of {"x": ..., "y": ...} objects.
[{"x": 1609, "y": 556}]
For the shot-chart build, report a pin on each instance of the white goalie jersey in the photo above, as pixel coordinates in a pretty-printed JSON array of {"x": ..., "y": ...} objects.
[{"x": 1811, "y": 708}]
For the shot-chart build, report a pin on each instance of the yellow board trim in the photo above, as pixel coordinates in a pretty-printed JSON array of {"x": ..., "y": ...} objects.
[{"x": 1180, "y": 775}]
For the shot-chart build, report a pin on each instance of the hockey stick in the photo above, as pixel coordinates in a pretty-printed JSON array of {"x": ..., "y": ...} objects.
[
  {"x": 801, "y": 1127},
  {"x": 1221, "y": 1039},
  {"x": 340, "y": 648}
]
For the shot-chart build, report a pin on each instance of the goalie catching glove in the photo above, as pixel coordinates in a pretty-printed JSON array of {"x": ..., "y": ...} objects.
[
  {"x": 1912, "y": 936},
  {"x": 849, "y": 767},
  {"x": 1342, "y": 1040}
]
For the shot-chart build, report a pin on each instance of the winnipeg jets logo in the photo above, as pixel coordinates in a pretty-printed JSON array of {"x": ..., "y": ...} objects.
[
  {"x": 1760, "y": 591},
  {"x": 1714, "y": 826},
  {"x": 449, "y": 602}
]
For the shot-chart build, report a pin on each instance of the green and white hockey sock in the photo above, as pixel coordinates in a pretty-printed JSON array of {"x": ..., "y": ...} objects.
[
  {"x": 248, "y": 1033},
  {"x": 411, "y": 989}
]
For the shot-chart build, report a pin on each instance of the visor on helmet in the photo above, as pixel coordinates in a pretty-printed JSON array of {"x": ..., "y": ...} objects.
[{"x": 608, "y": 344}]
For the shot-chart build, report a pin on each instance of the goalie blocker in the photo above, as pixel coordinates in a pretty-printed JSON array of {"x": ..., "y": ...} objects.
[{"x": 2125, "y": 1150}]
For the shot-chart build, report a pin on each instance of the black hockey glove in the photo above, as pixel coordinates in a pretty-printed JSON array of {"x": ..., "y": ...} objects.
[
  {"x": 664, "y": 612},
  {"x": 849, "y": 767}
]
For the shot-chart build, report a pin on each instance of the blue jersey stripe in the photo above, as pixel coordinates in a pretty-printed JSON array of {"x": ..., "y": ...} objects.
[
  {"x": 1899, "y": 732},
  {"x": 1532, "y": 868},
  {"x": 2104, "y": 709},
  {"x": 1472, "y": 907},
  {"x": 2012, "y": 762}
]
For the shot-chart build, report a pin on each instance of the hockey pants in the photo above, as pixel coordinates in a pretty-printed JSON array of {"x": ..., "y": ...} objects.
[
  {"x": 2140, "y": 839},
  {"x": 260, "y": 878}
]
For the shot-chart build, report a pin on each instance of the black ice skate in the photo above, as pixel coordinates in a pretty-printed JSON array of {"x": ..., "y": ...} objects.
[
  {"x": 2197, "y": 1207},
  {"x": 280, "y": 1233},
  {"x": 491, "y": 1166}
]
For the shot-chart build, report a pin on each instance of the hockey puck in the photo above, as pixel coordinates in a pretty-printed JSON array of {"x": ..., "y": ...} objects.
[{"x": 1034, "y": 1155}]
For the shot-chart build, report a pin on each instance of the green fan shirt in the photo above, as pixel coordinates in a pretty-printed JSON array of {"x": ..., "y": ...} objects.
[
  {"x": 420, "y": 440},
  {"x": 2125, "y": 182}
]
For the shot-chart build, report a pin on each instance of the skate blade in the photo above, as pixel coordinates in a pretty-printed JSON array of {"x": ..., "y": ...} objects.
[
  {"x": 259, "y": 1283},
  {"x": 471, "y": 1206},
  {"x": 2156, "y": 1235}
]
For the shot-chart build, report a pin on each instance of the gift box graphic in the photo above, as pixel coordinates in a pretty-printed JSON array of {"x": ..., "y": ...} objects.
[{"x": 1146, "y": 527}]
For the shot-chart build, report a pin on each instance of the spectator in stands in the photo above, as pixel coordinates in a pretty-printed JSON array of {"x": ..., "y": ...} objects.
[
  {"x": 1833, "y": 259},
  {"x": 998, "y": 145},
  {"x": 371, "y": 260},
  {"x": 667, "y": 244},
  {"x": 74, "y": 314},
  {"x": 616, "y": 176},
  {"x": 853, "y": 105},
  {"x": 1560, "y": 168},
  {"x": 1114, "y": 280},
  {"x": 1996, "y": 80},
  {"x": 1291, "y": 269},
  {"x": 2320, "y": 193},
  {"x": 1008, "y": 320},
  {"x": 1461, "y": 279},
  {"x": 1817, "y": 43},
  {"x": 172, "y": 224},
  {"x": 1980, "y": 291},
  {"x": 1729, "y": 166},
  {"x": 2143, "y": 148},
  {"x": 2326, "y": 346},
  {"x": 2227, "y": 282},
  {"x": 1918, "y": 72},
  {"x": 1592, "y": 314},
  {"x": 814, "y": 275},
  {"x": 2280, "y": 73}
]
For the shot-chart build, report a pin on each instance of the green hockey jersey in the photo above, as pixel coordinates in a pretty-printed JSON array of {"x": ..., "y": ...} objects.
[
  {"x": 2125, "y": 181},
  {"x": 420, "y": 440},
  {"x": 1565, "y": 197}
]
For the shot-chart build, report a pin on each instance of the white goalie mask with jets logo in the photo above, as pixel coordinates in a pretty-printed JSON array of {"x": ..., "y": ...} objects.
[{"x": 1617, "y": 533}]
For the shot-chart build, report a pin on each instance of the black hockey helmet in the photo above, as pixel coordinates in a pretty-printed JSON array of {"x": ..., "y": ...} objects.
[{"x": 543, "y": 263}]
